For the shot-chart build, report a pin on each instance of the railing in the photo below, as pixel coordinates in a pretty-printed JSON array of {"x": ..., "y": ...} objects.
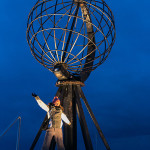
[{"x": 18, "y": 131}]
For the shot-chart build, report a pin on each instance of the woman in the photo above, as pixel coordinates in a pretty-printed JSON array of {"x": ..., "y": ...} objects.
[{"x": 55, "y": 115}]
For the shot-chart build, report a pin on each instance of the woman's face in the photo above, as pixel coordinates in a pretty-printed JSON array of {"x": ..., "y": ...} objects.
[{"x": 57, "y": 103}]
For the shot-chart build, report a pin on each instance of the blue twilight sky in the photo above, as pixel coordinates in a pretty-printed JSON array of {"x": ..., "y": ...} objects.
[{"x": 118, "y": 91}]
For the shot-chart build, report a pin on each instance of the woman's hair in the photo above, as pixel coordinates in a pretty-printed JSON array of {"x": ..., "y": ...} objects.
[{"x": 62, "y": 108}]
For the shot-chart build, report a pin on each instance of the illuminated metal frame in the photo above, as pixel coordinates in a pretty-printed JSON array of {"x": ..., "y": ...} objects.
[
  {"x": 75, "y": 32},
  {"x": 78, "y": 34}
]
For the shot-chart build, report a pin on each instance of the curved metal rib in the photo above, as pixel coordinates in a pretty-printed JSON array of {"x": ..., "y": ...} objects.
[{"x": 90, "y": 58}]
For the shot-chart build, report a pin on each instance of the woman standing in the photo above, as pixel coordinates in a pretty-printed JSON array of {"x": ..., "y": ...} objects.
[{"x": 55, "y": 115}]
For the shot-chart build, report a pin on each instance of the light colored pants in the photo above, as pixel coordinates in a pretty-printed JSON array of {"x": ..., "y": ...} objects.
[{"x": 57, "y": 133}]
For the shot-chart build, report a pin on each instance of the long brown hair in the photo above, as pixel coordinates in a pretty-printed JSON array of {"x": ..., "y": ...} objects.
[{"x": 62, "y": 108}]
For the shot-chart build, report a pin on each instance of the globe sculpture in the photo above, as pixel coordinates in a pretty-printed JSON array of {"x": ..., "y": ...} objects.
[{"x": 71, "y": 38}]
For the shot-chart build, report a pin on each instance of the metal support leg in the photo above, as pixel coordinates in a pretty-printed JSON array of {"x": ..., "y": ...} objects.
[
  {"x": 39, "y": 133},
  {"x": 93, "y": 118},
  {"x": 84, "y": 128},
  {"x": 70, "y": 132}
]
